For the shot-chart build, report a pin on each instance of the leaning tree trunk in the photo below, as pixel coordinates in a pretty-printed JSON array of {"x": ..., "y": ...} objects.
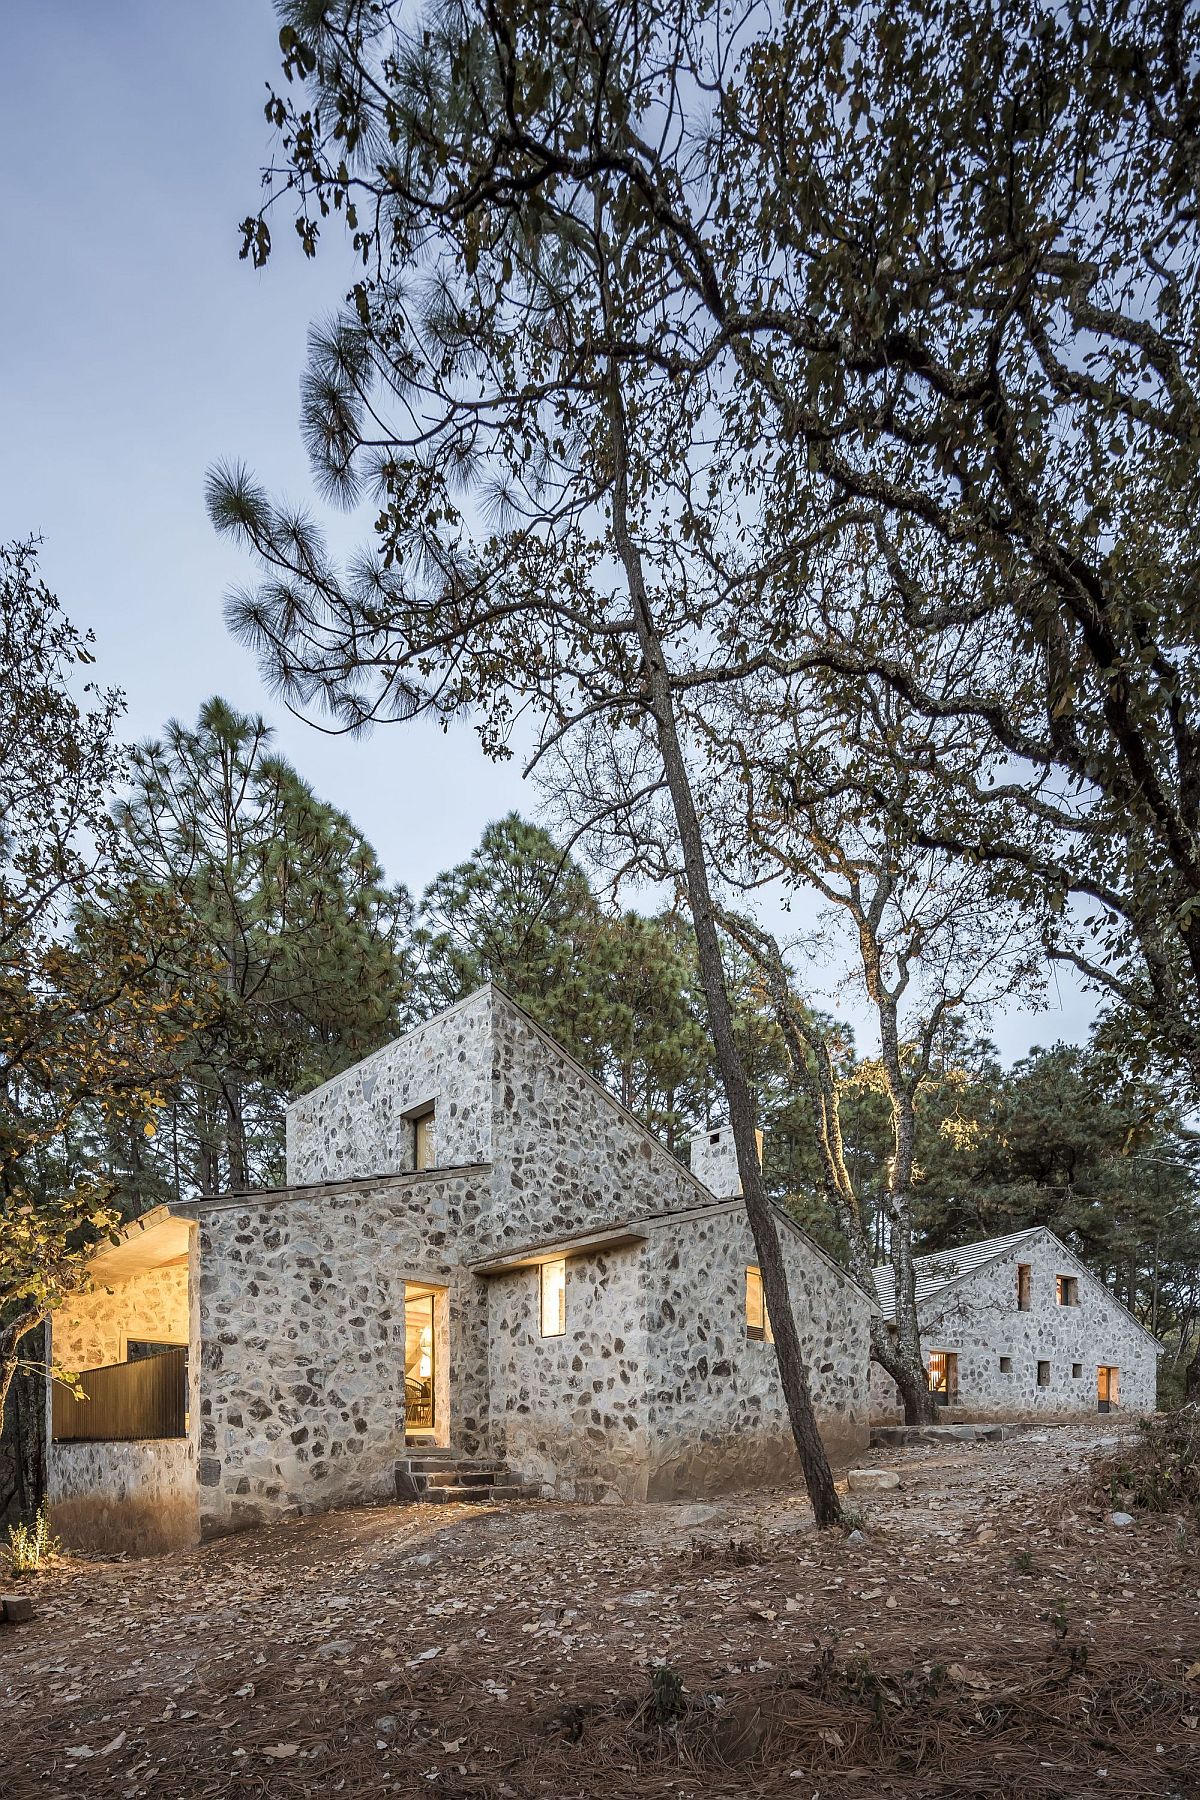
[
  {"x": 802, "y": 1041},
  {"x": 818, "y": 1477}
]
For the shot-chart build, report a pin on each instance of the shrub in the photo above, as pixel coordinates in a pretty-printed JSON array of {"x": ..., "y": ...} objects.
[
  {"x": 32, "y": 1546},
  {"x": 1160, "y": 1471}
]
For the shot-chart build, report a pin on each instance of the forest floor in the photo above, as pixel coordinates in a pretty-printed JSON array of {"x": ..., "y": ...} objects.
[{"x": 993, "y": 1633}]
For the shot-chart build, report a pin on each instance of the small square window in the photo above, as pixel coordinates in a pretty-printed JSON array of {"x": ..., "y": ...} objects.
[
  {"x": 1006, "y": 1365},
  {"x": 1076, "y": 1371},
  {"x": 758, "y": 1320},
  {"x": 553, "y": 1288},
  {"x": 1043, "y": 1374},
  {"x": 1024, "y": 1287},
  {"x": 1066, "y": 1290}
]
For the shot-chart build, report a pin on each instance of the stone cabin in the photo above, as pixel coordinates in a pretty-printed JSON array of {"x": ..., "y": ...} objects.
[
  {"x": 1016, "y": 1325},
  {"x": 477, "y": 1247}
]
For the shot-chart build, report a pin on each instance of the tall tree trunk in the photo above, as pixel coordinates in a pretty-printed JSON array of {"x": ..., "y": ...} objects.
[
  {"x": 23, "y": 1457},
  {"x": 818, "y": 1477},
  {"x": 818, "y": 1080}
]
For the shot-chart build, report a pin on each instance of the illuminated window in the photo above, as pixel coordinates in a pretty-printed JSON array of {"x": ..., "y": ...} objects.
[
  {"x": 1043, "y": 1374},
  {"x": 1006, "y": 1365},
  {"x": 424, "y": 1145},
  {"x": 554, "y": 1298},
  {"x": 1066, "y": 1290},
  {"x": 943, "y": 1376},
  {"x": 1024, "y": 1287},
  {"x": 758, "y": 1320}
]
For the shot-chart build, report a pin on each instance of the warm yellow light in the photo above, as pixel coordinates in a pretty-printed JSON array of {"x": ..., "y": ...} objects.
[{"x": 554, "y": 1298}]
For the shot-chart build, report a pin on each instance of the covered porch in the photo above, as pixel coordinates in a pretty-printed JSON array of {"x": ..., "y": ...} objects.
[{"x": 122, "y": 1448}]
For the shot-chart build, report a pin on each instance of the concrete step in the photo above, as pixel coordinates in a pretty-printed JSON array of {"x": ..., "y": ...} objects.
[
  {"x": 434, "y": 1463},
  {"x": 465, "y": 1477}
]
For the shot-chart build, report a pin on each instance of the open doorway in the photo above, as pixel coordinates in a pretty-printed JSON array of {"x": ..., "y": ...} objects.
[
  {"x": 943, "y": 1377},
  {"x": 426, "y": 1366},
  {"x": 420, "y": 1353},
  {"x": 1106, "y": 1387}
]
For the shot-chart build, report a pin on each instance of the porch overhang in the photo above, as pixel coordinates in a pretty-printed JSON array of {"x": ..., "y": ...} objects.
[
  {"x": 590, "y": 1243},
  {"x": 157, "y": 1240}
]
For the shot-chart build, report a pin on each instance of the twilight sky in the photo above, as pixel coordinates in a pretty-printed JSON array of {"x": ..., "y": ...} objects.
[{"x": 138, "y": 350}]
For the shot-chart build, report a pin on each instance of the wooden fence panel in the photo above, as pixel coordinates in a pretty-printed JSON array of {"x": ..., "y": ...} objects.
[{"x": 143, "y": 1399}]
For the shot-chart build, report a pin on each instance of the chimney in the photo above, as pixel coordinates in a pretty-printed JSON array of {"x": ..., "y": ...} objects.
[{"x": 714, "y": 1160}]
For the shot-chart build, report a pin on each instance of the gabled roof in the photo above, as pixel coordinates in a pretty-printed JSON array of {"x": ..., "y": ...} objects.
[
  {"x": 943, "y": 1269},
  {"x": 938, "y": 1270}
]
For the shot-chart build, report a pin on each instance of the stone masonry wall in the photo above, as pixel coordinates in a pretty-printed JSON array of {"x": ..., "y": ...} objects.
[
  {"x": 565, "y": 1155},
  {"x": 137, "y": 1497},
  {"x": 358, "y": 1124},
  {"x": 571, "y": 1411},
  {"x": 91, "y": 1330},
  {"x": 979, "y": 1320},
  {"x": 717, "y": 1418},
  {"x": 302, "y": 1327}
]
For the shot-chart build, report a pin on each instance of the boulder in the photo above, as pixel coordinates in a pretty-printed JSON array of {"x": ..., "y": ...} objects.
[
  {"x": 1122, "y": 1518},
  {"x": 872, "y": 1481}
]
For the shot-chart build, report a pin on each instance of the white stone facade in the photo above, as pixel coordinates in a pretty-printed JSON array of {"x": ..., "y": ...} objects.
[
  {"x": 655, "y": 1387},
  {"x": 1010, "y": 1362}
]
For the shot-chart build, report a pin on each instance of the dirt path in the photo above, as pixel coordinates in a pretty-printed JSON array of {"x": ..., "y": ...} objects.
[{"x": 991, "y": 1634}]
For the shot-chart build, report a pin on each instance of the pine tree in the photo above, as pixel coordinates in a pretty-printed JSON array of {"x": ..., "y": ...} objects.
[{"x": 306, "y": 943}]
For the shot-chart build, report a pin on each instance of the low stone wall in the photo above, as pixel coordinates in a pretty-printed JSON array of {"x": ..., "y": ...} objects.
[{"x": 139, "y": 1497}]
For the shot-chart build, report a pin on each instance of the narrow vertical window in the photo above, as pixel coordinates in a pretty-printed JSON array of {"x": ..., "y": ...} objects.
[
  {"x": 1066, "y": 1290},
  {"x": 758, "y": 1320},
  {"x": 554, "y": 1298},
  {"x": 1043, "y": 1374},
  {"x": 1024, "y": 1287},
  {"x": 424, "y": 1142}
]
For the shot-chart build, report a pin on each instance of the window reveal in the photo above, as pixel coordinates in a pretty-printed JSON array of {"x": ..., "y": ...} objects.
[
  {"x": 758, "y": 1320},
  {"x": 553, "y": 1288}
]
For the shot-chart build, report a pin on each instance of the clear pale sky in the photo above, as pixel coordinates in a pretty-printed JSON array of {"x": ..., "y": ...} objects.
[{"x": 138, "y": 350}]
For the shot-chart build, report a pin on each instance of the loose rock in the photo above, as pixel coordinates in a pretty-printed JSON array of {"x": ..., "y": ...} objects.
[{"x": 865, "y": 1481}]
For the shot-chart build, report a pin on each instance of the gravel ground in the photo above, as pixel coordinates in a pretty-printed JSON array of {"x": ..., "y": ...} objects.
[{"x": 992, "y": 1631}]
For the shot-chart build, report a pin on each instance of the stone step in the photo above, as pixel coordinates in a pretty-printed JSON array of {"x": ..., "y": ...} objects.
[
  {"x": 509, "y": 1490},
  {"x": 472, "y": 1478},
  {"x": 434, "y": 1464},
  {"x": 437, "y": 1477}
]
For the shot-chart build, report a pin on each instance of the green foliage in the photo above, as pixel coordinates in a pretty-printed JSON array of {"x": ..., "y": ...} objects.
[
  {"x": 32, "y": 1546},
  {"x": 307, "y": 946},
  {"x": 667, "y": 1698},
  {"x": 90, "y": 1024}
]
